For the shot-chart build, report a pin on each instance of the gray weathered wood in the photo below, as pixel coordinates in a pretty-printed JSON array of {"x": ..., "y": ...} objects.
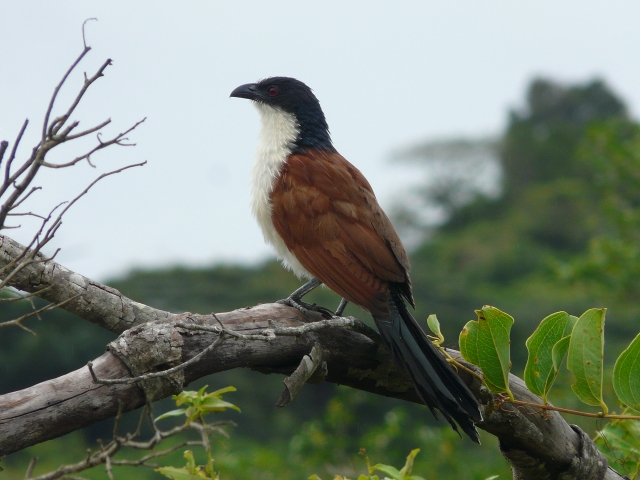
[
  {"x": 538, "y": 446},
  {"x": 97, "y": 303}
]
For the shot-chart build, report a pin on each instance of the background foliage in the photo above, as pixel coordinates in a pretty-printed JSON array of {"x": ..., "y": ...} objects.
[{"x": 559, "y": 233}]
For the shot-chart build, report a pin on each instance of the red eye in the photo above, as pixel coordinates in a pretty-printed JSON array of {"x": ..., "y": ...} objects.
[{"x": 273, "y": 91}]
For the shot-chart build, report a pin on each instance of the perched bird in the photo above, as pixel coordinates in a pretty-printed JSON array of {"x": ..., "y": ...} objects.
[{"x": 322, "y": 217}]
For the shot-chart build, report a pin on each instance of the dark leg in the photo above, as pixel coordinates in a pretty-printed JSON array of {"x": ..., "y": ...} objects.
[
  {"x": 295, "y": 299},
  {"x": 341, "y": 307}
]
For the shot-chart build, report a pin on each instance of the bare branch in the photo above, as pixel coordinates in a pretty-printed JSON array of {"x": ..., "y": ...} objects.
[
  {"x": 16, "y": 188},
  {"x": 106, "y": 453},
  {"x": 17, "y": 204},
  {"x": 3, "y": 148},
  {"x": 117, "y": 140},
  {"x": 18, "y": 321},
  {"x": 267, "y": 335},
  {"x": 45, "y": 125},
  {"x": 66, "y": 131},
  {"x": 20, "y": 296},
  {"x": 48, "y": 141},
  {"x": 306, "y": 370},
  {"x": 84, "y": 37},
  {"x": 8, "y": 178},
  {"x": 57, "y": 124},
  {"x": 26, "y": 255},
  {"x": 24, "y": 214},
  {"x": 57, "y": 221},
  {"x": 32, "y": 466},
  {"x": 271, "y": 333},
  {"x": 15, "y": 268},
  {"x": 143, "y": 461},
  {"x": 91, "y": 130}
]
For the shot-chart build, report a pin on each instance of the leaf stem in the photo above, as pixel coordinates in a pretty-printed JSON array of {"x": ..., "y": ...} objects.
[{"x": 576, "y": 412}]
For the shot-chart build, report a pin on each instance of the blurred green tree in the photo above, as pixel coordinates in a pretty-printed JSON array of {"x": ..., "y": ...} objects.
[{"x": 515, "y": 244}]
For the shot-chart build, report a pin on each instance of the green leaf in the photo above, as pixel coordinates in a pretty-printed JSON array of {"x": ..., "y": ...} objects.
[
  {"x": 558, "y": 352},
  {"x": 585, "y": 357},
  {"x": 217, "y": 393},
  {"x": 618, "y": 438},
  {"x": 216, "y": 404},
  {"x": 626, "y": 375},
  {"x": 619, "y": 442},
  {"x": 173, "y": 413},
  {"x": 540, "y": 371},
  {"x": 389, "y": 470},
  {"x": 402, "y": 474},
  {"x": 434, "y": 326},
  {"x": 191, "y": 461},
  {"x": 178, "y": 473},
  {"x": 408, "y": 466},
  {"x": 187, "y": 396},
  {"x": 486, "y": 343},
  {"x": 469, "y": 342},
  {"x": 406, "y": 470}
]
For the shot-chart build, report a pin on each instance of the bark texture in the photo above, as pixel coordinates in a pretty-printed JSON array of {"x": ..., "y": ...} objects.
[
  {"x": 95, "y": 302},
  {"x": 537, "y": 445}
]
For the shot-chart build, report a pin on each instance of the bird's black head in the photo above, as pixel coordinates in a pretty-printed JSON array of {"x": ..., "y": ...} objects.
[{"x": 296, "y": 98}]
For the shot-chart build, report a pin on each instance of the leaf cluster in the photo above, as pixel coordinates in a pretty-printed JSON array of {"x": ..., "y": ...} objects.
[
  {"x": 200, "y": 403},
  {"x": 486, "y": 343}
]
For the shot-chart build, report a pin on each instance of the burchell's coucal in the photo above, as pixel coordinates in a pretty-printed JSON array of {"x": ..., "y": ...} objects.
[{"x": 322, "y": 217}]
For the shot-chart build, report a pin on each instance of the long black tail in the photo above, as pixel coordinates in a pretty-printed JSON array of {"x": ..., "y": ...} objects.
[{"x": 435, "y": 381}]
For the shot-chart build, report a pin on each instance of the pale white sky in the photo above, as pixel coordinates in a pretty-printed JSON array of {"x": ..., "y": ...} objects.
[{"x": 387, "y": 74}]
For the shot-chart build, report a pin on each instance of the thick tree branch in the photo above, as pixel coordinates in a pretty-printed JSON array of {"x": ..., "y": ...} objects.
[
  {"x": 97, "y": 303},
  {"x": 270, "y": 338}
]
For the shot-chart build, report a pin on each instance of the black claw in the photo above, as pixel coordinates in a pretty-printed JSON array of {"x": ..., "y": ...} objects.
[
  {"x": 295, "y": 299},
  {"x": 305, "y": 307}
]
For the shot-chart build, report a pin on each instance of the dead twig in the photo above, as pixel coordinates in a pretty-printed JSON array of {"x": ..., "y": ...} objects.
[
  {"x": 106, "y": 452},
  {"x": 18, "y": 321},
  {"x": 148, "y": 376},
  {"x": 17, "y": 295},
  {"x": 307, "y": 369},
  {"x": 17, "y": 186}
]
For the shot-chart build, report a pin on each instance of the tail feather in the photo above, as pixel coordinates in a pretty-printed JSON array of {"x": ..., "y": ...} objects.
[{"x": 435, "y": 381}]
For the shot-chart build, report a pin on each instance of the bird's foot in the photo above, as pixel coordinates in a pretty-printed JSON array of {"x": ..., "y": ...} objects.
[{"x": 305, "y": 307}]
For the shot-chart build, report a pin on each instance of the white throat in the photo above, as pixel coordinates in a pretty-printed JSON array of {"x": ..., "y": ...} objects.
[{"x": 277, "y": 137}]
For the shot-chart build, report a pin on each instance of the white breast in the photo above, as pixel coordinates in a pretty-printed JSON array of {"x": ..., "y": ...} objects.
[{"x": 279, "y": 132}]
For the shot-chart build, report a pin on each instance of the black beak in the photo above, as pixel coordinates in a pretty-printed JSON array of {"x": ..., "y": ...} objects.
[{"x": 248, "y": 90}]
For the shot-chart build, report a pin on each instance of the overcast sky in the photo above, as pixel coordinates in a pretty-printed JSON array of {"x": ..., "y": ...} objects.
[{"x": 388, "y": 74}]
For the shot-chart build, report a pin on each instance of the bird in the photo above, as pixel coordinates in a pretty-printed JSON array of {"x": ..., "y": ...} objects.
[{"x": 322, "y": 217}]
